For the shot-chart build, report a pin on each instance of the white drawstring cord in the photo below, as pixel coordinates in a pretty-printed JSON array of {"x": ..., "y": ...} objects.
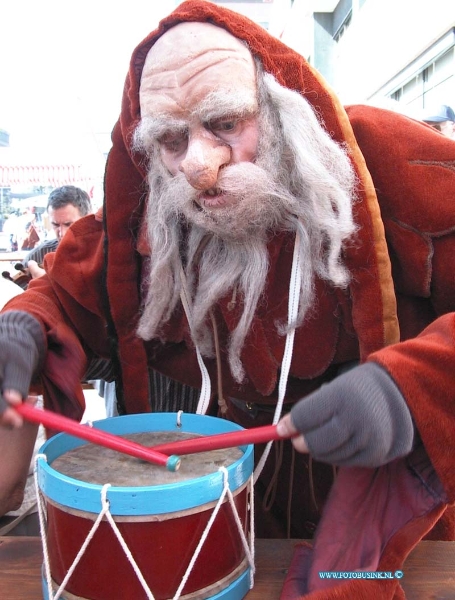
[
  {"x": 204, "y": 397},
  {"x": 293, "y": 309}
]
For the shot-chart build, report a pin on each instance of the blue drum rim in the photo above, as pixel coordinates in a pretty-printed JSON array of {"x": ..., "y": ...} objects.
[
  {"x": 142, "y": 500},
  {"x": 237, "y": 590}
]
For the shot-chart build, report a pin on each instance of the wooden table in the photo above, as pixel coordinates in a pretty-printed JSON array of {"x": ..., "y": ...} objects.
[
  {"x": 17, "y": 256},
  {"x": 429, "y": 572}
]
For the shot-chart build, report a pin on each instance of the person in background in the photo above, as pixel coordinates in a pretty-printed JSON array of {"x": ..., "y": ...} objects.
[
  {"x": 16, "y": 225},
  {"x": 66, "y": 205},
  {"x": 250, "y": 216},
  {"x": 441, "y": 118}
]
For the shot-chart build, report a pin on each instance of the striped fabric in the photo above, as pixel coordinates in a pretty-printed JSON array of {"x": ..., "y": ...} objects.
[
  {"x": 40, "y": 251},
  {"x": 99, "y": 368},
  {"x": 166, "y": 394}
]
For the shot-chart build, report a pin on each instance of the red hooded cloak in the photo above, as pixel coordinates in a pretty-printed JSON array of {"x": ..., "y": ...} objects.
[{"x": 402, "y": 281}]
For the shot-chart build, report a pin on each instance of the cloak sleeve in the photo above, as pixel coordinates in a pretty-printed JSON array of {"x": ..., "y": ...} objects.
[
  {"x": 424, "y": 370},
  {"x": 68, "y": 305}
]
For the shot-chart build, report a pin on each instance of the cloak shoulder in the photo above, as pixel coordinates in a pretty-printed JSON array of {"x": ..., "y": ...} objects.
[
  {"x": 415, "y": 187},
  {"x": 67, "y": 301},
  {"x": 424, "y": 370}
]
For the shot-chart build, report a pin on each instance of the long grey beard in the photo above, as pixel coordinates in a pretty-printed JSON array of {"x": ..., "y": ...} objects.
[
  {"x": 224, "y": 252},
  {"x": 224, "y": 267}
]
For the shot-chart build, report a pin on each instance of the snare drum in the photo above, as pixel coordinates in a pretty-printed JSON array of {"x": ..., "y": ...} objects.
[{"x": 174, "y": 525}]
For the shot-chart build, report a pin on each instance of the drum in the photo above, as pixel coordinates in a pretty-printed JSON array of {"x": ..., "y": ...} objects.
[{"x": 182, "y": 532}]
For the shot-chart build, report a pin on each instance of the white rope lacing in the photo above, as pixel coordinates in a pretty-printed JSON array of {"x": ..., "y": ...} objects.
[
  {"x": 248, "y": 545},
  {"x": 105, "y": 512},
  {"x": 248, "y": 551},
  {"x": 252, "y": 533},
  {"x": 42, "y": 523}
]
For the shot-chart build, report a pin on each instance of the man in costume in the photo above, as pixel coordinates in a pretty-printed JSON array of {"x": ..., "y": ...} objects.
[{"x": 252, "y": 221}]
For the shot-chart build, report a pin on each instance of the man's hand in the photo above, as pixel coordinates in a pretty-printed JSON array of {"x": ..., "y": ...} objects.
[
  {"x": 9, "y": 417},
  {"x": 22, "y": 350},
  {"x": 359, "y": 419},
  {"x": 287, "y": 429},
  {"x": 35, "y": 270}
]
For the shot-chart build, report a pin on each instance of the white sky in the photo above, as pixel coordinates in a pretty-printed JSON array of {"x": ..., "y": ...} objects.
[{"x": 63, "y": 64}]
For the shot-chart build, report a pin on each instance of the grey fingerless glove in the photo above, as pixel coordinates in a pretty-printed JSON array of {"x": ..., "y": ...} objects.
[
  {"x": 22, "y": 352},
  {"x": 359, "y": 419}
]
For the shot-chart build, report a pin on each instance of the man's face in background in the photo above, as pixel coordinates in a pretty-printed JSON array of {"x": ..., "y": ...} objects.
[
  {"x": 62, "y": 218},
  {"x": 447, "y": 128}
]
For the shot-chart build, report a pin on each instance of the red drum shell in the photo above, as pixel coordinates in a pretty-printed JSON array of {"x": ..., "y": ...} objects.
[
  {"x": 161, "y": 549},
  {"x": 162, "y": 545}
]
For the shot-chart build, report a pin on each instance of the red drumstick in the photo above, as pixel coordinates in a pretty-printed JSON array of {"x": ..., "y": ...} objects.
[
  {"x": 102, "y": 438},
  {"x": 256, "y": 435}
]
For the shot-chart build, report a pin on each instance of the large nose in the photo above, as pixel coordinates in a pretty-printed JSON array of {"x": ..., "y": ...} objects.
[{"x": 204, "y": 158}]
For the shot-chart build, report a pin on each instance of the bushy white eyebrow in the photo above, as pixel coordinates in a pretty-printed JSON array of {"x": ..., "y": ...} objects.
[
  {"x": 217, "y": 105},
  {"x": 220, "y": 104},
  {"x": 159, "y": 125}
]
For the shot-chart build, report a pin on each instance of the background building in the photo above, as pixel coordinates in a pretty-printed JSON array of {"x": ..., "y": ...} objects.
[{"x": 379, "y": 51}]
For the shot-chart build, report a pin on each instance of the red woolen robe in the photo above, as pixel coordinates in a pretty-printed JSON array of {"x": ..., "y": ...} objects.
[{"x": 402, "y": 281}]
